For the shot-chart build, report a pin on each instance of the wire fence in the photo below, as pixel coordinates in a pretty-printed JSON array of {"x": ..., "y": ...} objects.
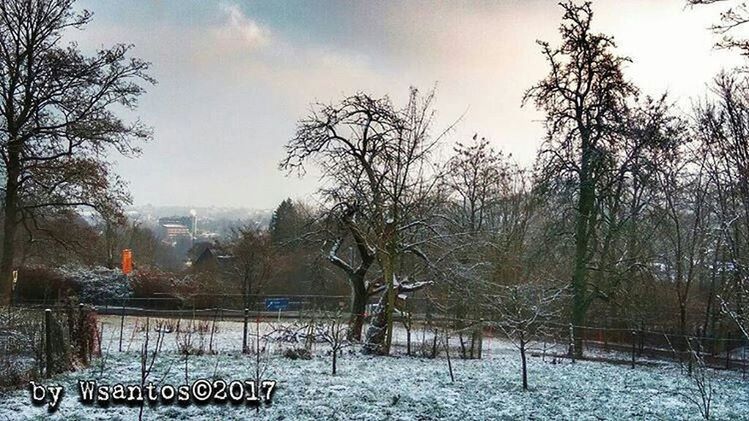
[
  {"x": 36, "y": 341},
  {"x": 419, "y": 330}
]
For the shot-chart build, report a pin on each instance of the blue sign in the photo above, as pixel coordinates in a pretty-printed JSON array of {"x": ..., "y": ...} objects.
[{"x": 276, "y": 304}]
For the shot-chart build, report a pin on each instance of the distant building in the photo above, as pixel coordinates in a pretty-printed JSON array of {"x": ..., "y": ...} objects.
[
  {"x": 207, "y": 257},
  {"x": 174, "y": 228}
]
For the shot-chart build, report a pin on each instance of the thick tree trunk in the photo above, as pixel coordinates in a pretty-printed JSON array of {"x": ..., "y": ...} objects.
[
  {"x": 586, "y": 203},
  {"x": 388, "y": 272},
  {"x": 358, "y": 305},
  {"x": 10, "y": 226},
  {"x": 377, "y": 330}
]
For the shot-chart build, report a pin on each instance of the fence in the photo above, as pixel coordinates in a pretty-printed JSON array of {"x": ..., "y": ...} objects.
[
  {"x": 421, "y": 327},
  {"x": 38, "y": 342}
]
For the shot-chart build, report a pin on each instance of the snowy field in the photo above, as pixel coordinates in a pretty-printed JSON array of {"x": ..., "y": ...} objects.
[{"x": 397, "y": 388}]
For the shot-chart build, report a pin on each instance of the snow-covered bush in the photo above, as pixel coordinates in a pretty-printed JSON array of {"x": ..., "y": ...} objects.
[{"x": 98, "y": 285}]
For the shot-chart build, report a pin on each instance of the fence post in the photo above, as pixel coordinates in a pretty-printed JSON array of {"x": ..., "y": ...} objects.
[
  {"x": 122, "y": 323},
  {"x": 244, "y": 336},
  {"x": 48, "y": 341},
  {"x": 728, "y": 352},
  {"x": 642, "y": 339},
  {"x": 100, "y": 339},
  {"x": 634, "y": 342},
  {"x": 82, "y": 334},
  {"x": 447, "y": 354},
  {"x": 481, "y": 338},
  {"x": 606, "y": 335},
  {"x": 572, "y": 342}
]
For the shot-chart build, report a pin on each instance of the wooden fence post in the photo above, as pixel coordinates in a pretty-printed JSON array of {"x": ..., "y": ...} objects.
[
  {"x": 244, "y": 336},
  {"x": 82, "y": 352},
  {"x": 48, "y": 342}
]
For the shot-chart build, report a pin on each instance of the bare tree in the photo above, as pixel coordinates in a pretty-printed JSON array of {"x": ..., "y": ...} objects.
[
  {"x": 375, "y": 159},
  {"x": 147, "y": 360},
  {"x": 333, "y": 331},
  {"x": 525, "y": 311},
  {"x": 685, "y": 226},
  {"x": 733, "y": 17},
  {"x": 722, "y": 127},
  {"x": 252, "y": 260},
  {"x": 700, "y": 392},
  {"x": 356, "y": 274},
  {"x": 483, "y": 224},
  {"x": 57, "y": 120}
]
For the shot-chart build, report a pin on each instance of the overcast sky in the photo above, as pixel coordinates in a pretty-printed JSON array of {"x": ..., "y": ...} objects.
[{"x": 235, "y": 76}]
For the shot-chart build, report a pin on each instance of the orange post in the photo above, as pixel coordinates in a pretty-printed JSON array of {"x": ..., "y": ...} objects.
[{"x": 127, "y": 261}]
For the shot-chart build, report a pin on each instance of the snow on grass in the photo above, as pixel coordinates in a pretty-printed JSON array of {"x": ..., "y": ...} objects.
[{"x": 401, "y": 388}]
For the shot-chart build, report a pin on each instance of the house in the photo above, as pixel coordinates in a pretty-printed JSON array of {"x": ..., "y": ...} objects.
[{"x": 212, "y": 258}]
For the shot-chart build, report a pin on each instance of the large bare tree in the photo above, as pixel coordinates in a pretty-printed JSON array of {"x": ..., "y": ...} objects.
[
  {"x": 584, "y": 97},
  {"x": 374, "y": 158}
]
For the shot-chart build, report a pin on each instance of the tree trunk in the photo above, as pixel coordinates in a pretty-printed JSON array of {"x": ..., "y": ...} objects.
[
  {"x": 389, "y": 308},
  {"x": 586, "y": 202},
  {"x": 10, "y": 226},
  {"x": 388, "y": 273},
  {"x": 524, "y": 364},
  {"x": 408, "y": 340},
  {"x": 358, "y": 305},
  {"x": 683, "y": 323},
  {"x": 335, "y": 360},
  {"x": 376, "y": 332}
]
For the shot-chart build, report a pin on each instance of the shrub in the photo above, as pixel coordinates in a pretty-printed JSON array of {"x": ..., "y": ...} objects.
[
  {"x": 98, "y": 285},
  {"x": 40, "y": 284},
  {"x": 297, "y": 354},
  {"x": 156, "y": 287}
]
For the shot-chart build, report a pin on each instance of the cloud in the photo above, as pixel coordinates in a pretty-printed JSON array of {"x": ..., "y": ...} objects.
[
  {"x": 239, "y": 32},
  {"x": 233, "y": 82}
]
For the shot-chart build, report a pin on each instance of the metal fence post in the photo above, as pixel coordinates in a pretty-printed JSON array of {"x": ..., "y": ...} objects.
[
  {"x": 48, "y": 341},
  {"x": 572, "y": 342},
  {"x": 634, "y": 347},
  {"x": 481, "y": 337},
  {"x": 728, "y": 352},
  {"x": 122, "y": 324}
]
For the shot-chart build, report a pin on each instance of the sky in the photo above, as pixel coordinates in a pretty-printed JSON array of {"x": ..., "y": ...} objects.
[{"x": 234, "y": 77}]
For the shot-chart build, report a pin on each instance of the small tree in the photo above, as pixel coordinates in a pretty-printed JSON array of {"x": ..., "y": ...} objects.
[
  {"x": 253, "y": 261},
  {"x": 147, "y": 360},
  {"x": 700, "y": 391},
  {"x": 334, "y": 332},
  {"x": 525, "y": 311}
]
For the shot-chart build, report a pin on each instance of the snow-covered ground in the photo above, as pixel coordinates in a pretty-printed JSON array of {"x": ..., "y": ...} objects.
[{"x": 399, "y": 388}]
